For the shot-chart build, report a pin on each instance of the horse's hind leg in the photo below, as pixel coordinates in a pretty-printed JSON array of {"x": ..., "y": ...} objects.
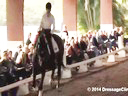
[
  {"x": 59, "y": 74},
  {"x": 41, "y": 84},
  {"x": 52, "y": 75}
]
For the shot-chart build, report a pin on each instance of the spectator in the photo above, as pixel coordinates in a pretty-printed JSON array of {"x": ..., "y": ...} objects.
[
  {"x": 105, "y": 42},
  {"x": 31, "y": 52},
  {"x": 74, "y": 53},
  {"x": 28, "y": 42},
  {"x": 117, "y": 33},
  {"x": 8, "y": 74},
  {"x": 113, "y": 44},
  {"x": 83, "y": 45},
  {"x": 65, "y": 34},
  {"x": 94, "y": 40},
  {"x": 26, "y": 62},
  {"x": 19, "y": 49},
  {"x": 101, "y": 42}
]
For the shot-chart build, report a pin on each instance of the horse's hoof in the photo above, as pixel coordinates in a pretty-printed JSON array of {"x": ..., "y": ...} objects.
[
  {"x": 35, "y": 88},
  {"x": 57, "y": 86},
  {"x": 53, "y": 85},
  {"x": 40, "y": 93},
  {"x": 50, "y": 81}
]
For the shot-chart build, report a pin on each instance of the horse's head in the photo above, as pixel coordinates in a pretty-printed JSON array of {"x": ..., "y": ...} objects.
[{"x": 41, "y": 47}]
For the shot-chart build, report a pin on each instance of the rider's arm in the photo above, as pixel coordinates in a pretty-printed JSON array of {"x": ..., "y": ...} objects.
[{"x": 53, "y": 25}]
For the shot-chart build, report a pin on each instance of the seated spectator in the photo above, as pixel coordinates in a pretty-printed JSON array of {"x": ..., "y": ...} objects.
[
  {"x": 86, "y": 39},
  {"x": 106, "y": 42},
  {"x": 8, "y": 75},
  {"x": 74, "y": 53},
  {"x": 92, "y": 46},
  {"x": 77, "y": 44},
  {"x": 83, "y": 45},
  {"x": 65, "y": 34},
  {"x": 19, "y": 49},
  {"x": 101, "y": 41},
  {"x": 94, "y": 40},
  {"x": 112, "y": 40},
  {"x": 21, "y": 72},
  {"x": 13, "y": 64},
  {"x": 31, "y": 52},
  {"x": 68, "y": 53},
  {"x": 117, "y": 33},
  {"x": 89, "y": 34},
  {"x": 28, "y": 40},
  {"x": 26, "y": 61}
]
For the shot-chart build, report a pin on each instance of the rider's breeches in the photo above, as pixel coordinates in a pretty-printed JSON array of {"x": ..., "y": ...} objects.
[{"x": 48, "y": 37}]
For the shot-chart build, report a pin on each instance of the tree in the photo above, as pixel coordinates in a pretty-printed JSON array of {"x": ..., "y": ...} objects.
[
  {"x": 88, "y": 17},
  {"x": 89, "y": 13},
  {"x": 118, "y": 14}
]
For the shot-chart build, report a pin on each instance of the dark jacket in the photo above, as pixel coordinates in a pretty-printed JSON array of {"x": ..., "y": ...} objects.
[{"x": 94, "y": 42}]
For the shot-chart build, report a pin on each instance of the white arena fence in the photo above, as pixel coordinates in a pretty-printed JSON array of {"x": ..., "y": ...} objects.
[{"x": 27, "y": 80}]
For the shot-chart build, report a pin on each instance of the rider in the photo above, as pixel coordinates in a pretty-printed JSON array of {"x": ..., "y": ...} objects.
[{"x": 45, "y": 26}]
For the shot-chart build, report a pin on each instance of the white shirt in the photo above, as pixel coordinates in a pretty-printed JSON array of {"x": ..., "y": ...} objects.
[{"x": 47, "y": 22}]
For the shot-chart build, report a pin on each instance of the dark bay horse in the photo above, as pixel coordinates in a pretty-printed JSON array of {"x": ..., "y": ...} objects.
[{"x": 43, "y": 61}]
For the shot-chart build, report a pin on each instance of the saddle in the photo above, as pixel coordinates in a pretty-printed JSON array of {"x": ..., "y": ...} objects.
[{"x": 54, "y": 45}]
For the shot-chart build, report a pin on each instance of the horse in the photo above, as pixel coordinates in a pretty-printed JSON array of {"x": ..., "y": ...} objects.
[{"x": 43, "y": 61}]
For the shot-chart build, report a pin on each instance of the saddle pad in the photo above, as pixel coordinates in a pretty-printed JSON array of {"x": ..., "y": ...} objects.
[{"x": 55, "y": 46}]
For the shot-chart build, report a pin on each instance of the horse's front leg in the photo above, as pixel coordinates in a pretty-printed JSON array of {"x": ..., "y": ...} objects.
[
  {"x": 51, "y": 81},
  {"x": 41, "y": 84},
  {"x": 52, "y": 75},
  {"x": 59, "y": 75}
]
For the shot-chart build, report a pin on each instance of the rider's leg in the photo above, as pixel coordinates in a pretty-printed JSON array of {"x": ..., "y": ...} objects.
[
  {"x": 48, "y": 36},
  {"x": 52, "y": 56}
]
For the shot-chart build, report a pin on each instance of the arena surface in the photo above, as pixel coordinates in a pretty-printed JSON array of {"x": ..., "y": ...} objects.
[{"x": 114, "y": 76}]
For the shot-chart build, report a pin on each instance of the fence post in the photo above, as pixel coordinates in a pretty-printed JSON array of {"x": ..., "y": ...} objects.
[
  {"x": 98, "y": 63},
  {"x": 83, "y": 68},
  {"x": 66, "y": 72},
  {"x": 121, "y": 53},
  {"x": 111, "y": 58}
]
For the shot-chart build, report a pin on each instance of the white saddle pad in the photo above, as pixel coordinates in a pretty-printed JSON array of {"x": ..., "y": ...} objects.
[{"x": 55, "y": 46}]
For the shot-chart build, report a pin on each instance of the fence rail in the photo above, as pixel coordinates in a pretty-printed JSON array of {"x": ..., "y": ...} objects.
[
  {"x": 95, "y": 58},
  {"x": 27, "y": 80}
]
